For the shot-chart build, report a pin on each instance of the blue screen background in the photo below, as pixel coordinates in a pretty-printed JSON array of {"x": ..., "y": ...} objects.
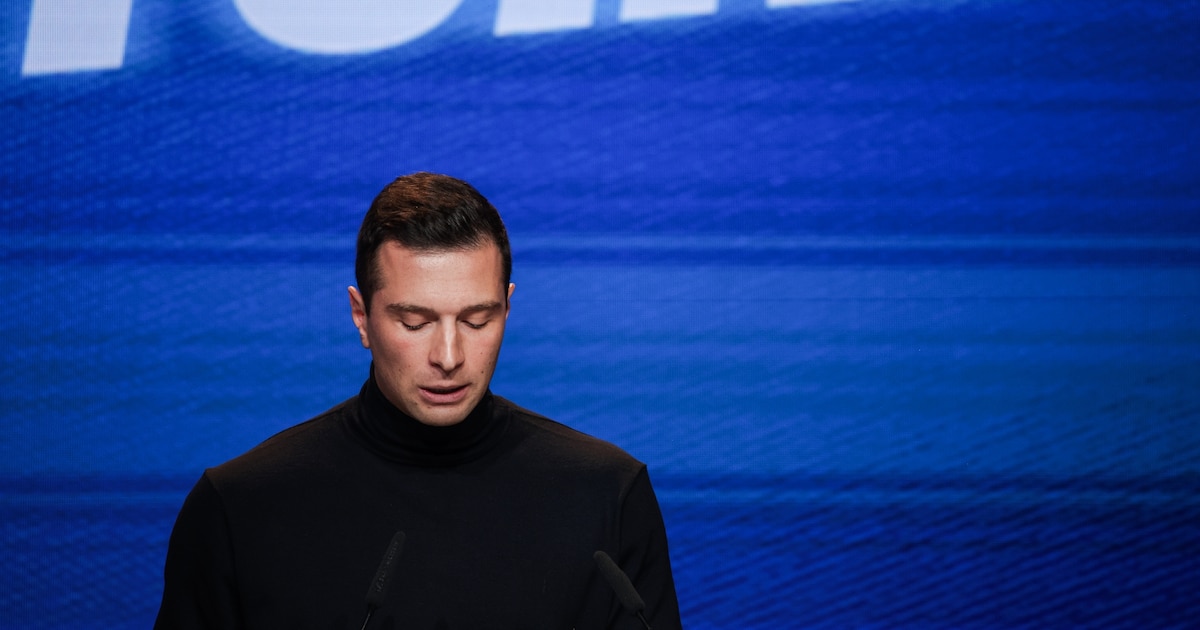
[{"x": 898, "y": 300}]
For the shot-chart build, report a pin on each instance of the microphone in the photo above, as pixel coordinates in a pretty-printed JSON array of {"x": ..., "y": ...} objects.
[
  {"x": 379, "y": 584},
  {"x": 619, "y": 581}
]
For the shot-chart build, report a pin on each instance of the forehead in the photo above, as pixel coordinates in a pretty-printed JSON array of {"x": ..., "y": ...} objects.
[{"x": 439, "y": 277}]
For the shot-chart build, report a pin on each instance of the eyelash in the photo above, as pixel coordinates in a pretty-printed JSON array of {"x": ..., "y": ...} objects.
[{"x": 422, "y": 325}]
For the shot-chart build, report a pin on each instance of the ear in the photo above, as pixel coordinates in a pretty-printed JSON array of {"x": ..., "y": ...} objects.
[
  {"x": 358, "y": 312},
  {"x": 508, "y": 300}
]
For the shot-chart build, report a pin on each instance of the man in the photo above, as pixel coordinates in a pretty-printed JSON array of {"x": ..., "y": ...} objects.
[{"x": 502, "y": 509}]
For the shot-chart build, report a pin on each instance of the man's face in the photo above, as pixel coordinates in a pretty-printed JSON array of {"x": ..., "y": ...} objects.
[{"x": 435, "y": 327}]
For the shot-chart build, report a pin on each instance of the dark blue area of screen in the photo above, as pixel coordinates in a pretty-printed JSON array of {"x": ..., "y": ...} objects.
[
  {"x": 899, "y": 301},
  {"x": 967, "y": 553}
]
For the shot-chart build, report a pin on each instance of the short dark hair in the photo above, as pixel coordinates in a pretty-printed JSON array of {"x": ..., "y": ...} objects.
[{"x": 427, "y": 212}]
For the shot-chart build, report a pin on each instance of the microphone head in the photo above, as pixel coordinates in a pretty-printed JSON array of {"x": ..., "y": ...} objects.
[
  {"x": 619, "y": 582},
  {"x": 386, "y": 564}
]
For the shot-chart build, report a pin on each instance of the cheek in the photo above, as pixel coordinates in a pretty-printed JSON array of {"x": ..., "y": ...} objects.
[
  {"x": 393, "y": 347},
  {"x": 487, "y": 348}
]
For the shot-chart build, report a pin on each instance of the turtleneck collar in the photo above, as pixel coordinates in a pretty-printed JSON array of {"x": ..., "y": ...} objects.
[{"x": 398, "y": 437}]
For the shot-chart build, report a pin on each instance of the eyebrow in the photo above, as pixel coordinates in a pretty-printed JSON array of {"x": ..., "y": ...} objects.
[{"x": 400, "y": 308}]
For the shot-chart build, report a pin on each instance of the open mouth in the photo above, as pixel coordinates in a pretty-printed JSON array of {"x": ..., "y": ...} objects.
[{"x": 444, "y": 395}]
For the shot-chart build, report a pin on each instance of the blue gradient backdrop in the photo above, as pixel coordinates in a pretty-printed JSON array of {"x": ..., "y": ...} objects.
[{"x": 899, "y": 300}]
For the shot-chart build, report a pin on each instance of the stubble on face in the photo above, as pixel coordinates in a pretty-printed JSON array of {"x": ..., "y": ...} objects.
[{"x": 435, "y": 328}]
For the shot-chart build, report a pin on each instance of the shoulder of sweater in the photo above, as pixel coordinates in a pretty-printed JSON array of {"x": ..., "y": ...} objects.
[
  {"x": 290, "y": 448},
  {"x": 565, "y": 441}
]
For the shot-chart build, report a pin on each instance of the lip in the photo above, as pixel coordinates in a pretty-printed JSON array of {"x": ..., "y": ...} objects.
[{"x": 444, "y": 395}]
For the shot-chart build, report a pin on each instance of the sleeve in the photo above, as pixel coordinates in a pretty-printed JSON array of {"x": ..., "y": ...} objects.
[
  {"x": 644, "y": 556},
  {"x": 199, "y": 588}
]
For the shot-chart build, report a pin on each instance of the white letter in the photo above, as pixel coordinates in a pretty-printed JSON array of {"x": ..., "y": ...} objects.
[
  {"x": 71, "y": 35},
  {"x": 539, "y": 16},
  {"x": 632, "y": 10},
  {"x": 344, "y": 26}
]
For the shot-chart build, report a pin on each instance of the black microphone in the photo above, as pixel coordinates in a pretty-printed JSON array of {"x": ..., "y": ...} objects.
[
  {"x": 379, "y": 584},
  {"x": 621, "y": 585}
]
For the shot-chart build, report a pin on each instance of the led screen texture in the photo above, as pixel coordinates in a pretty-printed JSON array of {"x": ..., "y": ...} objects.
[{"x": 898, "y": 300}]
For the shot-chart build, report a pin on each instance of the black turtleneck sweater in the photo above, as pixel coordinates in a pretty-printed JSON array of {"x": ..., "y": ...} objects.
[{"x": 502, "y": 513}]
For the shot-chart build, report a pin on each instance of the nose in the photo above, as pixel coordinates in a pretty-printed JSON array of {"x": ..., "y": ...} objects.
[{"x": 447, "y": 352}]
